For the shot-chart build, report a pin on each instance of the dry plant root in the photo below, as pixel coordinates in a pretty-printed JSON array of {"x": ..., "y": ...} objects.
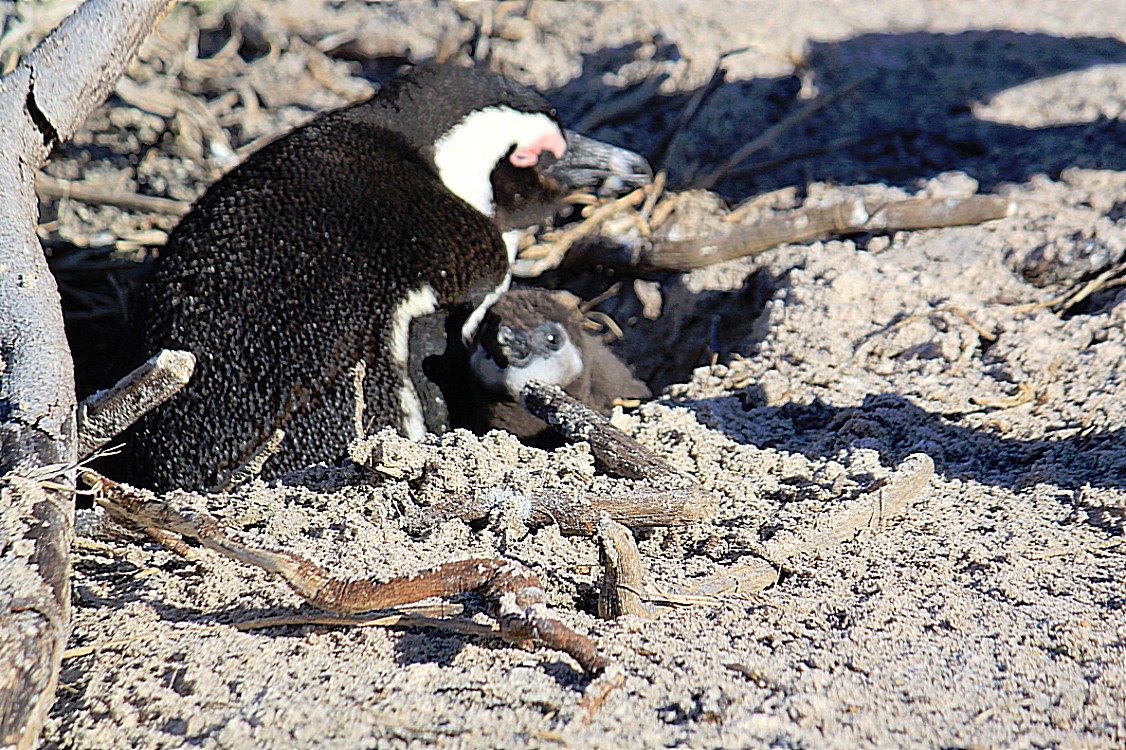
[{"x": 514, "y": 594}]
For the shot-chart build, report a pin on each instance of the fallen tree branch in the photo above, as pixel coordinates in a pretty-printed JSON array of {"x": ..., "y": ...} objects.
[
  {"x": 663, "y": 497},
  {"x": 637, "y": 504},
  {"x": 615, "y": 452},
  {"x": 513, "y": 593},
  {"x": 799, "y": 226},
  {"x": 43, "y": 101}
]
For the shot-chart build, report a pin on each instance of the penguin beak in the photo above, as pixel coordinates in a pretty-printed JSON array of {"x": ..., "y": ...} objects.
[{"x": 591, "y": 163}]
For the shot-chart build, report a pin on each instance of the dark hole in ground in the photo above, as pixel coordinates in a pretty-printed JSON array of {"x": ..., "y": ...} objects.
[{"x": 690, "y": 329}]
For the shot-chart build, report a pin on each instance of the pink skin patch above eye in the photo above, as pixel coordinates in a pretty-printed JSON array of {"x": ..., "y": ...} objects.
[{"x": 528, "y": 155}]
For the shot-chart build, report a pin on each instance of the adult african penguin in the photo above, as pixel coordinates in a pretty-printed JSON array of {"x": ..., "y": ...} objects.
[
  {"x": 319, "y": 251},
  {"x": 536, "y": 334}
]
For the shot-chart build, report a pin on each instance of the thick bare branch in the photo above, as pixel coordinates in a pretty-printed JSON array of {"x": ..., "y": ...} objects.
[
  {"x": 655, "y": 494},
  {"x": 43, "y": 100},
  {"x": 615, "y": 452}
]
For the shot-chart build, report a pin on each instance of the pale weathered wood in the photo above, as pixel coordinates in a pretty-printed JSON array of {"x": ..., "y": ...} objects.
[
  {"x": 628, "y": 588},
  {"x": 797, "y": 226},
  {"x": 651, "y": 494},
  {"x": 626, "y": 583},
  {"x": 43, "y": 100},
  {"x": 872, "y": 508},
  {"x": 106, "y": 414},
  {"x": 635, "y": 503}
]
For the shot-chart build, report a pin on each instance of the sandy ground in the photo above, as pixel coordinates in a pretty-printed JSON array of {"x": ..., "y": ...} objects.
[{"x": 991, "y": 613}]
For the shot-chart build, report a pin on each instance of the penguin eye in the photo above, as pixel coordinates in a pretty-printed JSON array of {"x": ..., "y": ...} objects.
[{"x": 555, "y": 337}]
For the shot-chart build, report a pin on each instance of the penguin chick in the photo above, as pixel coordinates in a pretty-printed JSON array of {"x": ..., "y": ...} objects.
[
  {"x": 317, "y": 252},
  {"x": 535, "y": 334}
]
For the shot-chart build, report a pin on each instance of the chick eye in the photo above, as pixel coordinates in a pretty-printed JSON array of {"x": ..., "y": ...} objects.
[
  {"x": 554, "y": 340},
  {"x": 504, "y": 335}
]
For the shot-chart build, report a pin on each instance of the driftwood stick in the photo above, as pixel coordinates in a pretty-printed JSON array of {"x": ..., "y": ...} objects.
[
  {"x": 875, "y": 506},
  {"x": 51, "y": 187},
  {"x": 615, "y": 452},
  {"x": 637, "y": 504},
  {"x": 514, "y": 594},
  {"x": 629, "y": 589},
  {"x": 106, "y": 414},
  {"x": 933, "y": 213},
  {"x": 801, "y": 225},
  {"x": 670, "y": 499},
  {"x": 626, "y": 582},
  {"x": 798, "y": 226}
]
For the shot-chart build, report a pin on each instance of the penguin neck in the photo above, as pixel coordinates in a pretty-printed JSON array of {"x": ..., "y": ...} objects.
[{"x": 468, "y": 152}]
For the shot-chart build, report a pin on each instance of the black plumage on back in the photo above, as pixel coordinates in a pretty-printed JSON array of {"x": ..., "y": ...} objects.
[{"x": 288, "y": 270}]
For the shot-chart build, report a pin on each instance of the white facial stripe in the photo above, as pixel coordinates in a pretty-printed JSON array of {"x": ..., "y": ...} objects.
[
  {"x": 421, "y": 301},
  {"x": 478, "y": 314},
  {"x": 512, "y": 243},
  {"x": 468, "y": 152},
  {"x": 559, "y": 369}
]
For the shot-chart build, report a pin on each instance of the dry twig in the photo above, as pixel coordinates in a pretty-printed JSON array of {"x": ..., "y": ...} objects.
[
  {"x": 798, "y": 226},
  {"x": 50, "y": 187},
  {"x": 251, "y": 466},
  {"x": 514, "y": 594}
]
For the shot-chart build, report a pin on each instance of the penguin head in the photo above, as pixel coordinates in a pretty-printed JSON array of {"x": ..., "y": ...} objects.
[
  {"x": 500, "y": 146},
  {"x": 472, "y": 123},
  {"x": 525, "y": 337}
]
